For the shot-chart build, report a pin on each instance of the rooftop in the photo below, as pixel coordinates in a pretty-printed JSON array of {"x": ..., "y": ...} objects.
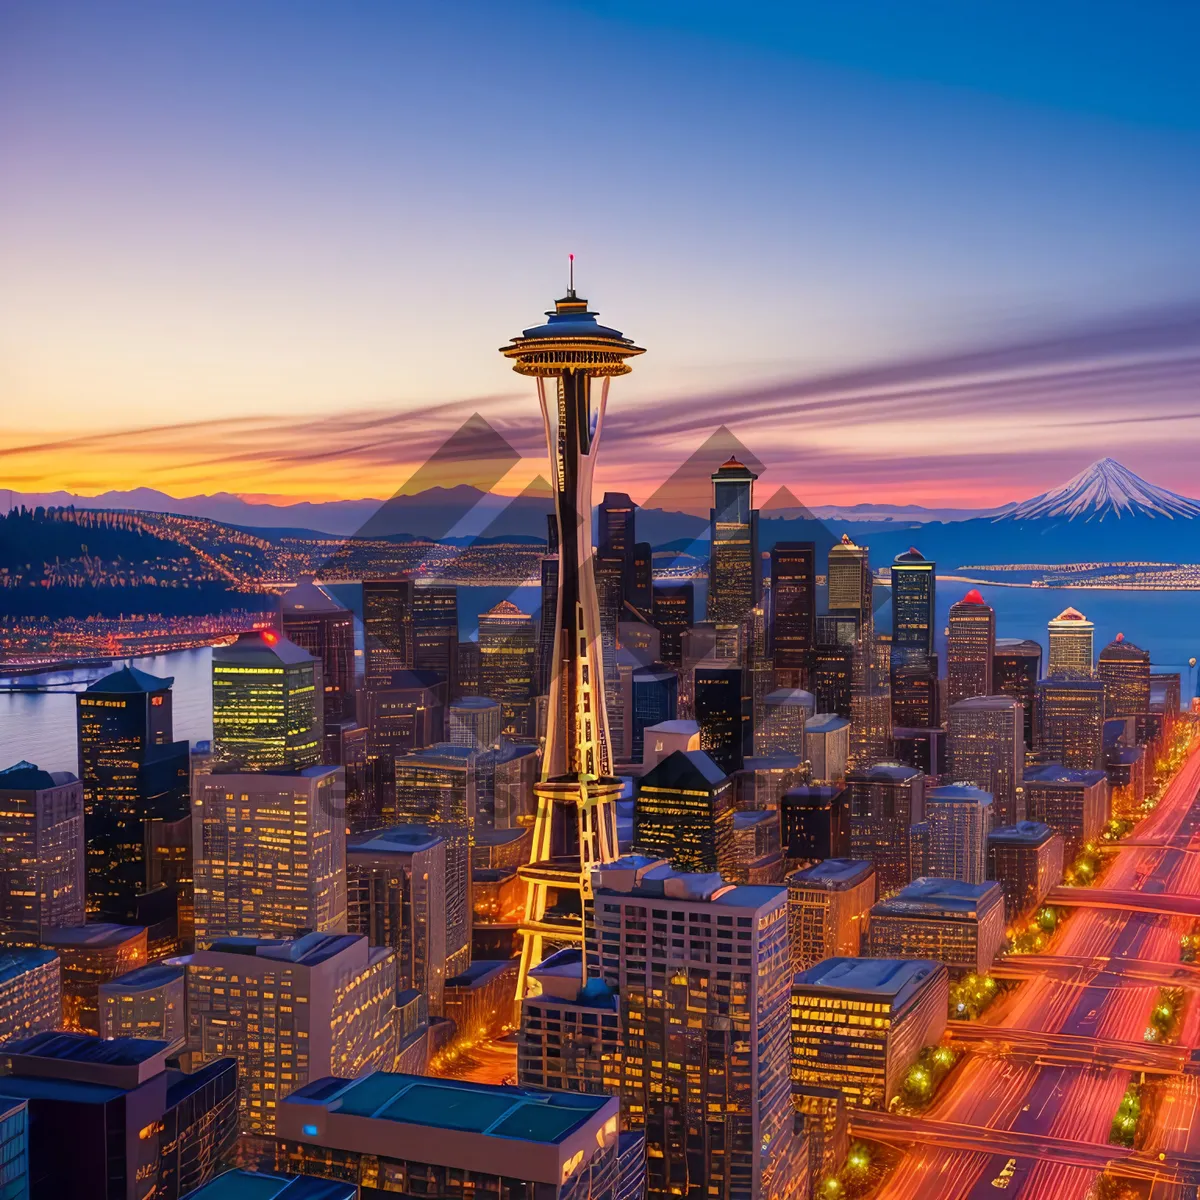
[
  {"x": 1018, "y": 646},
  {"x": 974, "y": 596},
  {"x": 256, "y": 1185},
  {"x": 958, "y": 793},
  {"x": 910, "y": 556},
  {"x": 152, "y": 976},
  {"x": 947, "y": 896},
  {"x": 680, "y": 727},
  {"x": 472, "y": 702},
  {"x": 771, "y": 762},
  {"x": 395, "y": 839},
  {"x": 684, "y": 768},
  {"x": 497, "y": 1111},
  {"x": 825, "y": 723},
  {"x": 1057, "y": 773},
  {"x": 831, "y": 873},
  {"x": 26, "y": 777},
  {"x": 410, "y": 680},
  {"x": 85, "y": 1048},
  {"x": 792, "y": 696},
  {"x": 310, "y": 950},
  {"x": 261, "y": 647},
  {"x": 19, "y": 960},
  {"x": 885, "y": 772},
  {"x": 506, "y": 610},
  {"x": 307, "y": 598},
  {"x": 98, "y": 935},
  {"x": 1023, "y": 833},
  {"x": 986, "y": 704},
  {"x": 129, "y": 680},
  {"x": 1069, "y": 614},
  {"x": 896, "y": 979}
]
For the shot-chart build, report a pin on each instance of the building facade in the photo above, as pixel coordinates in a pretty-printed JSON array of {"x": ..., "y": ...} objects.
[
  {"x": 30, "y": 992},
  {"x": 1016, "y": 668},
  {"x": 1026, "y": 860},
  {"x": 734, "y": 570},
  {"x": 146, "y": 1003},
  {"x": 970, "y": 648},
  {"x": 793, "y": 610},
  {"x": 1070, "y": 635},
  {"x": 829, "y": 907},
  {"x": 315, "y": 622},
  {"x": 508, "y": 665},
  {"x": 1124, "y": 669},
  {"x": 1070, "y": 722},
  {"x": 985, "y": 745},
  {"x": 387, "y": 629},
  {"x": 90, "y": 955},
  {"x": 960, "y": 818},
  {"x": 885, "y": 801},
  {"x": 683, "y": 812}
]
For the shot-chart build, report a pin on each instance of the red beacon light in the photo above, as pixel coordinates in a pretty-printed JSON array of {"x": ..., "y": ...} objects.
[{"x": 270, "y": 636}]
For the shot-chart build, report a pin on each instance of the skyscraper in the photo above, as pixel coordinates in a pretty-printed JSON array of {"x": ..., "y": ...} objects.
[
  {"x": 850, "y": 583},
  {"x": 88, "y": 956},
  {"x": 270, "y": 853},
  {"x": 1016, "y": 668},
  {"x": 508, "y": 665},
  {"x": 30, "y": 992},
  {"x": 970, "y": 647},
  {"x": 1073, "y": 803},
  {"x": 1070, "y": 636},
  {"x": 914, "y": 665},
  {"x": 886, "y": 800},
  {"x": 266, "y": 707},
  {"x": 1070, "y": 728},
  {"x": 684, "y": 813},
  {"x": 435, "y": 631},
  {"x": 723, "y": 713},
  {"x": 576, "y": 825},
  {"x": 654, "y": 698},
  {"x": 674, "y": 613},
  {"x": 814, "y": 822},
  {"x": 132, "y": 772},
  {"x": 316, "y": 622},
  {"x": 786, "y": 712},
  {"x": 387, "y": 629},
  {"x": 1124, "y": 669},
  {"x": 986, "y": 747},
  {"x": 41, "y": 853},
  {"x": 793, "y": 610},
  {"x": 407, "y": 714},
  {"x": 960, "y": 819},
  {"x": 1026, "y": 860},
  {"x": 617, "y": 537},
  {"x": 705, "y": 1067},
  {"x": 734, "y": 571},
  {"x": 828, "y": 908}
]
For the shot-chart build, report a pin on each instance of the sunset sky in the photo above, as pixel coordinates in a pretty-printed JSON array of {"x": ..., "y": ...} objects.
[{"x": 926, "y": 252}]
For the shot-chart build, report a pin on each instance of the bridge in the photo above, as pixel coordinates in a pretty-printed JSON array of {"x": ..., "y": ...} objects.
[
  {"x": 1161, "y": 904},
  {"x": 1082, "y": 969},
  {"x": 1071, "y": 1050}
]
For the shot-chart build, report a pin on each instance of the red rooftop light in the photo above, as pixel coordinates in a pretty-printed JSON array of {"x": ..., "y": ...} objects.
[
  {"x": 973, "y": 597},
  {"x": 270, "y": 637}
]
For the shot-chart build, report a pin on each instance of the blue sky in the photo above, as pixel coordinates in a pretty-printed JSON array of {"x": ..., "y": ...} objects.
[{"x": 226, "y": 210}]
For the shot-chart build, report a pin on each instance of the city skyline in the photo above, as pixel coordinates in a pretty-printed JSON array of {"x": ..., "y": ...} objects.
[{"x": 1028, "y": 265}]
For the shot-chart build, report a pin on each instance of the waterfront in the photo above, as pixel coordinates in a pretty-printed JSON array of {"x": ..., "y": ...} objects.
[{"x": 40, "y": 726}]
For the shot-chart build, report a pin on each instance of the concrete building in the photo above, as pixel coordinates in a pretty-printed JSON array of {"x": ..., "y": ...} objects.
[
  {"x": 959, "y": 924},
  {"x": 443, "y": 1137},
  {"x": 1124, "y": 669},
  {"x": 970, "y": 647},
  {"x": 711, "y": 1094},
  {"x": 146, "y": 1003},
  {"x": 960, "y": 818},
  {"x": 110, "y": 1119},
  {"x": 885, "y": 801},
  {"x": 30, "y": 992},
  {"x": 1070, "y": 722},
  {"x": 329, "y": 1000},
  {"x": 481, "y": 999},
  {"x": 395, "y": 896},
  {"x": 815, "y": 822},
  {"x": 1073, "y": 803},
  {"x": 270, "y": 853},
  {"x": 42, "y": 853},
  {"x": 1026, "y": 860},
  {"x": 684, "y": 813},
  {"x": 90, "y": 955},
  {"x": 785, "y": 715},
  {"x": 829, "y": 906},
  {"x": 827, "y": 746},
  {"x": 858, "y": 1024},
  {"x": 1070, "y": 635},
  {"x": 986, "y": 748},
  {"x": 268, "y": 703}
]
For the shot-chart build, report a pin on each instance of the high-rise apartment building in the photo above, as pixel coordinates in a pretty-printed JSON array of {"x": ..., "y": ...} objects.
[
  {"x": 885, "y": 801},
  {"x": 508, "y": 665},
  {"x": 90, "y": 955},
  {"x": 387, "y": 629},
  {"x": 146, "y": 1003},
  {"x": 959, "y": 924},
  {"x": 986, "y": 747},
  {"x": 316, "y": 622},
  {"x": 814, "y": 823},
  {"x": 970, "y": 648},
  {"x": 673, "y": 613},
  {"x": 396, "y": 895},
  {"x": 1070, "y": 635},
  {"x": 723, "y": 711},
  {"x": 41, "y": 853},
  {"x": 829, "y": 905},
  {"x": 439, "y": 788},
  {"x": 1124, "y": 669},
  {"x": 1016, "y": 668},
  {"x": 793, "y": 610},
  {"x": 267, "y": 707},
  {"x": 1026, "y": 860},
  {"x": 734, "y": 572},
  {"x": 270, "y": 853},
  {"x": 327, "y": 1001},
  {"x": 960, "y": 818},
  {"x": 435, "y": 631},
  {"x": 684, "y": 813},
  {"x": 702, "y": 972},
  {"x": 1072, "y": 802},
  {"x": 111, "y": 1119},
  {"x": 1070, "y": 722},
  {"x": 30, "y": 992},
  {"x": 132, "y": 772},
  {"x": 858, "y": 1024}
]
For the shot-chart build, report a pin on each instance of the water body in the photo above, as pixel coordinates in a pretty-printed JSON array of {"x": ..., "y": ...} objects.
[{"x": 41, "y": 727}]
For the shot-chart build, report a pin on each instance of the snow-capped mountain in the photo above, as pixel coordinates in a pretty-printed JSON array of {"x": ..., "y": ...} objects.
[{"x": 1103, "y": 491}]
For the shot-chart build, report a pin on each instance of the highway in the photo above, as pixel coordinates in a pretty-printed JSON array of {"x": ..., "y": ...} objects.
[{"x": 1027, "y": 1112}]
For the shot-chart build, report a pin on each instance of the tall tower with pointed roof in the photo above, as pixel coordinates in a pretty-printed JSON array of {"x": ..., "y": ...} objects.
[
  {"x": 1070, "y": 635},
  {"x": 576, "y": 826}
]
